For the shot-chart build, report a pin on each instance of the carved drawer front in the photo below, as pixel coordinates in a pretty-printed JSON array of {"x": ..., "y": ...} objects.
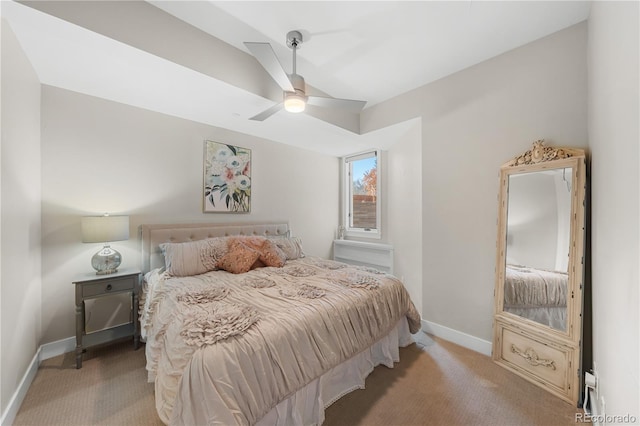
[
  {"x": 531, "y": 357},
  {"x": 108, "y": 286}
]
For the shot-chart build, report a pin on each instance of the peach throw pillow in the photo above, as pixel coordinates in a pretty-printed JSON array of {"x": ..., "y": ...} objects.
[
  {"x": 239, "y": 258},
  {"x": 272, "y": 255}
]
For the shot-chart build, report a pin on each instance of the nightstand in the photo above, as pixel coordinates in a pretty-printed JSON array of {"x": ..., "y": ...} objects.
[{"x": 92, "y": 286}]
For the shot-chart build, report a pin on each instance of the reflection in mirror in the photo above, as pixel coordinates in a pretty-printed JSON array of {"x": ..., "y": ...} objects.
[
  {"x": 537, "y": 246},
  {"x": 108, "y": 312}
]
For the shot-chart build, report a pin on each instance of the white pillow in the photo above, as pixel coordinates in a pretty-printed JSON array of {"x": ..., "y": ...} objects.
[
  {"x": 291, "y": 246},
  {"x": 193, "y": 257}
]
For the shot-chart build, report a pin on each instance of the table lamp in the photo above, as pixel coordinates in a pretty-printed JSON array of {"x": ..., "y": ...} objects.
[{"x": 105, "y": 229}]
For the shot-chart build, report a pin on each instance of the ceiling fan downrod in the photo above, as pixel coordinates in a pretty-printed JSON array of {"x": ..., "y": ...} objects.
[
  {"x": 294, "y": 38},
  {"x": 295, "y": 101}
]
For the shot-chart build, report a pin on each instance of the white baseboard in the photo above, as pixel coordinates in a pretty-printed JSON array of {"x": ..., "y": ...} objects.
[
  {"x": 59, "y": 347},
  {"x": 457, "y": 337},
  {"x": 46, "y": 351},
  {"x": 9, "y": 415}
]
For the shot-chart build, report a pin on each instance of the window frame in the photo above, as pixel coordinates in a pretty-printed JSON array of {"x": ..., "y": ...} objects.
[{"x": 347, "y": 187}]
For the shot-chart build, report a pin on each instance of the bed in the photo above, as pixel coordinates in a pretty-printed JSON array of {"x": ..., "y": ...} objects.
[
  {"x": 537, "y": 294},
  {"x": 272, "y": 346}
]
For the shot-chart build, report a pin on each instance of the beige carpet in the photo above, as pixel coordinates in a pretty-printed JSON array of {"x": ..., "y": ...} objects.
[{"x": 435, "y": 383}]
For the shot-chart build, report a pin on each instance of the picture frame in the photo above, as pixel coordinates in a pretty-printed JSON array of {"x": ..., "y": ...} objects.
[{"x": 227, "y": 178}]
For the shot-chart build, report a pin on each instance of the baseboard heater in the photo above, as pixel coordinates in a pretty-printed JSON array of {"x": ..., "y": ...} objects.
[{"x": 374, "y": 255}]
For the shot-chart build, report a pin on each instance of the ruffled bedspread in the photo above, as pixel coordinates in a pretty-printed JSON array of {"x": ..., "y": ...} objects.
[
  {"x": 529, "y": 287},
  {"x": 225, "y": 349}
]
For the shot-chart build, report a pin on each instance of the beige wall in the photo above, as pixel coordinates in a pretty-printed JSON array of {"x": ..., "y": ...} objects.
[
  {"x": 402, "y": 222},
  {"x": 401, "y": 201},
  {"x": 101, "y": 156},
  {"x": 20, "y": 216},
  {"x": 614, "y": 139},
  {"x": 472, "y": 122}
]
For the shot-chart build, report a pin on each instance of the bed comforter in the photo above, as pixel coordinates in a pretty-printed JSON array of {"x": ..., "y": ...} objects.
[
  {"x": 529, "y": 287},
  {"x": 225, "y": 349}
]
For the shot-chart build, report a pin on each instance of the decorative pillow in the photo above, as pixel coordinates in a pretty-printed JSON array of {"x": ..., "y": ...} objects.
[
  {"x": 253, "y": 241},
  {"x": 291, "y": 246},
  {"x": 239, "y": 258},
  {"x": 213, "y": 252},
  {"x": 272, "y": 255},
  {"x": 258, "y": 264},
  {"x": 193, "y": 257}
]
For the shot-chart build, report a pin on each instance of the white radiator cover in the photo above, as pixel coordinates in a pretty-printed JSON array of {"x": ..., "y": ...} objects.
[{"x": 375, "y": 255}]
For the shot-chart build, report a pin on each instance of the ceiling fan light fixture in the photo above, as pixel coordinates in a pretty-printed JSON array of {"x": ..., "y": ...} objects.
[
  {"x": 294, "y": 102},
  {"x": 293, "y": 86}
]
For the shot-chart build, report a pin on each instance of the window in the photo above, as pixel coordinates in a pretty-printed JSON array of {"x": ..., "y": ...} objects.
[{"x": 362, "y": 190}]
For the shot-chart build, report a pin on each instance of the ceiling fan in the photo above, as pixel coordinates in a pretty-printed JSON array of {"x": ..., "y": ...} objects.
[{"x": 295, "y": 97}]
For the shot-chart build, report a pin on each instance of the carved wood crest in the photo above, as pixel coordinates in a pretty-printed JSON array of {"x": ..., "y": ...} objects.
[{"x": 540, "y": 154}]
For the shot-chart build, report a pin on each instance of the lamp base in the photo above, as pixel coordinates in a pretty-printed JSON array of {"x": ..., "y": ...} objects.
[
  {"x": 106, "y": 261},
  {"x": 107, "y": 272}
]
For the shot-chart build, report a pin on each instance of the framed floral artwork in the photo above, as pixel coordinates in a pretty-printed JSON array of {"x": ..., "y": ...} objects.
[{"x": 227, "y": 178}]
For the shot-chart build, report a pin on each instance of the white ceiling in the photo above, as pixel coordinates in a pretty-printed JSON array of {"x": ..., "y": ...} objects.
[{"x": 366, "y": 50}]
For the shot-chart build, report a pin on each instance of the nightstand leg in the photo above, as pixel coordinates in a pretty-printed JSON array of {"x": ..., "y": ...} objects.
[
  {"x": 136, "y": 320},
  {"x": 79, "y": 331}
]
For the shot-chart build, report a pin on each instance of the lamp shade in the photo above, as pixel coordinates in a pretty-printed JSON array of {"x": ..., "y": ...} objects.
[{"x": 104, "y": 229}]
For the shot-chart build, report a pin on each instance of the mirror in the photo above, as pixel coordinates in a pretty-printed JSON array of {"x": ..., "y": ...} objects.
[
  {"x": 539, "y": 268},
  {"x": 107, "y": 312},
  {"x": 537, "y": 245}
]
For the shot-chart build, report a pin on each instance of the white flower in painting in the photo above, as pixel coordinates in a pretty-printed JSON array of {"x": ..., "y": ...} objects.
[
  {"x": 223, "y": 154},
  {"x": 242, "y": 182},
  {"x": 244, "y": 157},
  {"x": 234, "y": 162}
]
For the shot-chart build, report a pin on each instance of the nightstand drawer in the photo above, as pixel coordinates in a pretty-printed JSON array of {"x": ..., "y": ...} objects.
[{"x": 108, "y": 286}]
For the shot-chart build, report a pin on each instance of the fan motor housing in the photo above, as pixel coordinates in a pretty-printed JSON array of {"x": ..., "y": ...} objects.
[{"x": 297, "y": 81}]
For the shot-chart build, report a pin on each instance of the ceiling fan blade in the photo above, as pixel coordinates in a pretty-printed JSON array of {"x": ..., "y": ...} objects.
[
  {"x": 348, "y": 104},
  {"x": 268, "y": 112},
  {"x": 264, "y": 53}
]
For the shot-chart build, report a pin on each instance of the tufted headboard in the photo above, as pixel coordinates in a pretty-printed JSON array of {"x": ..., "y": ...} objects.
[{"x": 151, "y": 236}]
